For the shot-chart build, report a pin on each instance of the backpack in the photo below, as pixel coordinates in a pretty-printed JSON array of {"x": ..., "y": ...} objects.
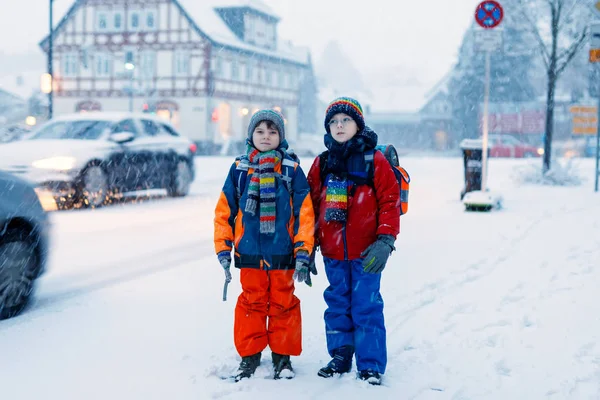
[
  {"x": 391, "y": 155},
  {"x": 288, "y": 167}
]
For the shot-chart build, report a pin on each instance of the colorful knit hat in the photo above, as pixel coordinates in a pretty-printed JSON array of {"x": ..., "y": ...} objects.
[
  {"x": 347, "y": 106},
  {"x": 267, "y": 115}
]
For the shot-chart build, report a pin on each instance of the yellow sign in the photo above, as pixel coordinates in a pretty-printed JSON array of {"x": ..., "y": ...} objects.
[
  {"x": 597, "y": 5},
  {"x": 583, "y": 110},
  {"x": 585, "y": 120},
  {"x": 594, "y": 55}
]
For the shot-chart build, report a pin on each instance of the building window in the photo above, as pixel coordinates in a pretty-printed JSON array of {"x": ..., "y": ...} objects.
[
  {"x": 281, "y": 79},
  {"x": 268, "y": 76},
  {"x": 226, "y": 69},
  {"x": 151, "y": 20},
  {"x": 134, "y": 21},
  {"x": 102, "y": 21},
  {"x": 118, "y": 21},
  {"x": 249, "y": 72},
  {"x": 182, "y": 63},
  {"x": 102, "y": 65},
  {"x": 70, "y": 64},
  {"x": 218, "y": 67},
  {"x": 235, "y": 70},
  {"x": 147, "y": 65}
]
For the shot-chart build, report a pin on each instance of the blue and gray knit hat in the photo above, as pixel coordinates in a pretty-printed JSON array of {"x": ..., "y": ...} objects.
[
  {"x": 346, "y": 105},
  {"x": 267, "y": 115}
]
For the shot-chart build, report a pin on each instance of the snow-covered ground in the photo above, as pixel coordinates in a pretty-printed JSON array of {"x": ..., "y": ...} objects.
[{"x": 498, "y": 305}]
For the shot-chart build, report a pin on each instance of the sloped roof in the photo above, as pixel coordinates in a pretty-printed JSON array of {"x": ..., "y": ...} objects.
[
  {"x": 203, "y": 16},
  {"x": 257, "y": 5}
]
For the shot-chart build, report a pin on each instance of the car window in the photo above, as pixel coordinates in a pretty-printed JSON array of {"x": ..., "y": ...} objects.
[
  {"x": 510, "y": 140},
  {"x": 80, "y": 129},
  {"x": 150, "y": 127},
  {"x": 127, "y": 125},
  {"x": 168, "y": 130}
]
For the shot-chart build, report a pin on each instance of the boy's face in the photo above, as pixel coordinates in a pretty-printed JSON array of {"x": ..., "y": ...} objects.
[
  {"x": 265, "y": 138},
  {"x": 342, "y": 127}
]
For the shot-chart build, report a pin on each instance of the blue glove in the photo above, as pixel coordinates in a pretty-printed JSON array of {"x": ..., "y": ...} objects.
[
  {"x": 301, "y": 273},
  {"x": 225, "y": 260},
  {"x": 376, "y": 255}
]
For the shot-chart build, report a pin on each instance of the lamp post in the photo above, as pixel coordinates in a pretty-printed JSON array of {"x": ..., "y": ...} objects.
[
  {"x": 50, "y": 71},
  {"x": 130, "y": 66}
]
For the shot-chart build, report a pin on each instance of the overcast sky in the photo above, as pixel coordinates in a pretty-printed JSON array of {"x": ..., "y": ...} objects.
[{"x": 421, "y": 36}]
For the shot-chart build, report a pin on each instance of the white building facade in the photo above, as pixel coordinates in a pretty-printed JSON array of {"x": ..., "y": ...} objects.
[{"x": 202, "y": 65}]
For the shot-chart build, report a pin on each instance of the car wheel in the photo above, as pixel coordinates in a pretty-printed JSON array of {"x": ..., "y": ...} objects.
[
  {"x": 18, "y": 268},
  {"x": 181, "y": 180},
  {"x": 94, "y": 187}
]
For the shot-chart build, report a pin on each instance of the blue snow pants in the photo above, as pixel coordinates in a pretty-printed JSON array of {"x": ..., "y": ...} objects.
[{"x": 354, "y": 314}]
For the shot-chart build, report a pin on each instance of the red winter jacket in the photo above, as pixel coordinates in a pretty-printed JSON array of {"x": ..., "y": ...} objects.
[{"x": 370, "y": 213}]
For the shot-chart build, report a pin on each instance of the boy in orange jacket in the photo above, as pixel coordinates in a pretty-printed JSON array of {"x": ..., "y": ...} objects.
[{"x": 265, "y": 214}]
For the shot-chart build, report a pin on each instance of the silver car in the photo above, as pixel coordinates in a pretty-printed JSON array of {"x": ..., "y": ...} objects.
[
  {"x": 24, "y": 231},
  {"x": 90, "y": 158}
]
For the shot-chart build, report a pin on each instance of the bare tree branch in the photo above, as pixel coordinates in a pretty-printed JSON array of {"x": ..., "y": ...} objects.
[
  {"x": 536, "y": 33},
  {"x": 566, "y": 56},
  {"x": 568, "y": 14}
]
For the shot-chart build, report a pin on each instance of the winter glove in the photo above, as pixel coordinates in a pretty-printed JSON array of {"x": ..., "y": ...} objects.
[
  {"x": 312, "y": 267},
  {"x": 301, "y": 273},
  {"x": 225, "y": 260},
  {"x": 377, "y": 254}
]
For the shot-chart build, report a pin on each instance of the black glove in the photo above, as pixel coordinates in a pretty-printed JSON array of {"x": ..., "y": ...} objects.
[
  {"x": 312, "y": 267},
  {"x": 377, "y": 254}
]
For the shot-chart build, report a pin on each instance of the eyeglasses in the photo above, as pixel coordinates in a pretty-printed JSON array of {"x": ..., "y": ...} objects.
[{"x": 345, "y": 121}]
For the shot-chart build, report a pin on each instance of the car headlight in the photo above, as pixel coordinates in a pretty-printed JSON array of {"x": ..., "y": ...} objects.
[
  {"x": 56, "y": 163},
  {"x": 540, "y": 151},
  {"x": 47, "y": 200}
]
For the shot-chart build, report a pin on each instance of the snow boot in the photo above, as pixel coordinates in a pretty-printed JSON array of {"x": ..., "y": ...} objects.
[
  {"x": 282, "y": 367},
  {"x": 247, "y": 367},
  {"x": 340, "y": 364},
  {"x": 370, "y": 376}
]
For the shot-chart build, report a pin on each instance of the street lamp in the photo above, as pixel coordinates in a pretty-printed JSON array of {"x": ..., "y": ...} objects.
[
  {"x": 129, "y": 66},
  {"x": 50, "y": 72}
]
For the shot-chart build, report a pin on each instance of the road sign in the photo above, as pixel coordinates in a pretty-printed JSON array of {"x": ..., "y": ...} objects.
[
  {"x": 595, "y": 35},
  {"x": 488, "y": 39},
  {"x": 585, "y": 120},
  {"x": 489, "y": 14}
]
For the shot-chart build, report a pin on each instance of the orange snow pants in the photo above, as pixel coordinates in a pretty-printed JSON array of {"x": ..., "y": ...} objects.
[{"x": 267, "y": 313}]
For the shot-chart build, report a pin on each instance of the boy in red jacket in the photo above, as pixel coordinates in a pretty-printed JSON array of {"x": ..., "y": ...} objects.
[{"x": 356, "y": 202}]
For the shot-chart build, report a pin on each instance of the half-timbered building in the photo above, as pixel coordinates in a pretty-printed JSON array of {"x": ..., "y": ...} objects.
[{"x": 206, "y": 65}]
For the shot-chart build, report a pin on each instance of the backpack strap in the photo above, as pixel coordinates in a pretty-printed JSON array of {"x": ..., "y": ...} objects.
[
  {"x": 370, "y": 165},
  {"x": 288, "y": 167},
  {"x": 240, "y": 174}
]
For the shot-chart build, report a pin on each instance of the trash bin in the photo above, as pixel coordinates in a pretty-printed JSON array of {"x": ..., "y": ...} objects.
[{"x": 472, "y": 158}]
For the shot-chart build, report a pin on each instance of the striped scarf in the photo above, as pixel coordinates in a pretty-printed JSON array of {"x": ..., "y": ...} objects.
[
  {"x": 261, "y": 189},
  {"x": 336, "y": 199}
]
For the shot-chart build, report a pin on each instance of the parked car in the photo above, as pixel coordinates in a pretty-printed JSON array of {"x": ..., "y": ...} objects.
[
  {"x": 509, "y": 146},
  {"x": 89, "y": 158},
  {"x": 24, "y": 231}
]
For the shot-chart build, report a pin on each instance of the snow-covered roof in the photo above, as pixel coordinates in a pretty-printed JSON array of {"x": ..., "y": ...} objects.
[
  {"x": 257, "y": 5},
  {"x": 204, "y": 16}
]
